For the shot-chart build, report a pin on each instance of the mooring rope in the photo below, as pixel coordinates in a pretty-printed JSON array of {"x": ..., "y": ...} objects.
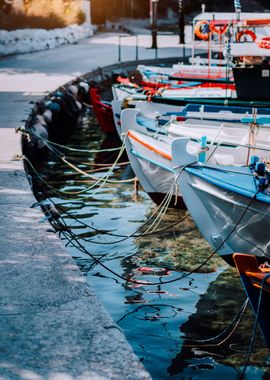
[
  {"x": 49, "y": 142},
  {"x": 52, "y": 188},
  {"x": 80, "y": 171},
  {"x": 102, "y": 180},
  {"x": 234, "y": 324},
  {"x": 134, "y": 234},
  {"x": 151, "y": 230},
  {"x": 163, "y": 206},
  {"x": 126, "y": 279}
]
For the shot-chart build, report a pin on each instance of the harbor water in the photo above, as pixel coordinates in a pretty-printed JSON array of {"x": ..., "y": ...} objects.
[{"x": 181, "y": 323}]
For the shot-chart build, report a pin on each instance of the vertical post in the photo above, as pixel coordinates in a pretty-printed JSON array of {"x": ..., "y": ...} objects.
[
  {"x": 119, "y": 48},
  {"x": 137, "y": 47},
  {"x": 153, "y": 22},
  {"x": 181, "y": 20},
  {"x": 156, "y": 53}
]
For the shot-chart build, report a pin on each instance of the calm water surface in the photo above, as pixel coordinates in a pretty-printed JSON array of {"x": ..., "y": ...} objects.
[{"x": 168, "y": 325}]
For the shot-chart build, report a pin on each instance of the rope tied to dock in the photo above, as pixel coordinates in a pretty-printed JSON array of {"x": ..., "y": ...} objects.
[
  {"x": 128, "y": 279},
  {"x": 30, "y": 133}
]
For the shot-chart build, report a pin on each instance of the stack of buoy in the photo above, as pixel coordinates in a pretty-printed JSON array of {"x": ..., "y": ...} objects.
[
  {"x": 54, "y": 118},
  {"x": 204, "y": 29}
]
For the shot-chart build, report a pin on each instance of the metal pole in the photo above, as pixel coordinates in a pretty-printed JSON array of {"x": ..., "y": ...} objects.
[
  {"x": 153, "y": 22},
  {"x": 137, "y": 48},
  {"x": 119, "y": 48},
  {"x": 181, "y": 22}
]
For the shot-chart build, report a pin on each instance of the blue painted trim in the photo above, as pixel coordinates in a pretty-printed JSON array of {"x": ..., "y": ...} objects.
[
  {"x": 149, "y": 124},
  {"x": 226, "y": 186},
  {"x": 259, "y": 119},
  {"x": 195, "y": 107}
]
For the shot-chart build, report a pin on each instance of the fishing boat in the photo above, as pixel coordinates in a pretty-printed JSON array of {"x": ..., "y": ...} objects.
[
  {"x": 182, "y": 72},
  {"x": 178, "y": 94},
  {"x": 150, "y": 153},
  {"x": 230, "y": 204},
  {"x": 150, "y": 113},
  {"x": 117, "y": 109},
  {"x": 215, "y": 84},
  {"x": 103, "y": 112},
  {"x": 153, "y": 114},
  {"x": 150, "y": 160},
  {"x": 192, "y": 75},
  {"x": 256, "y": 283},
  {"x": 215, "y": 113}
]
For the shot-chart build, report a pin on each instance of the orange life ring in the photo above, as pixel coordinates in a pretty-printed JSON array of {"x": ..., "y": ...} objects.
[
  {"x": 247, "y": 32},
  {"x": 263, "y": 43},
  {"x": 218, "y": 29},
  {"x": 198, "y": 31}
]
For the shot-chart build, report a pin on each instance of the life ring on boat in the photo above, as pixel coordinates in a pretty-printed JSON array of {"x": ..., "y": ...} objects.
[
  {"x": 263, "y": 43},
  {"x": 202, "y": 30},
  {"x": 247, "y": 32},
  {"x": 218, "y": 29}
]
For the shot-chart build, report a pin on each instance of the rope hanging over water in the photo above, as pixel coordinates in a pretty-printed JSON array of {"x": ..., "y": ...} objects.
[
  {"x": 49, "y": 142},
  {"x": 130, "y": 280},
  {"x": 232, "y": 326}
]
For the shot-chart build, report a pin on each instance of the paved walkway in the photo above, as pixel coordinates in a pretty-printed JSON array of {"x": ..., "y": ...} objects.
[{"x": 51, "y": 324}]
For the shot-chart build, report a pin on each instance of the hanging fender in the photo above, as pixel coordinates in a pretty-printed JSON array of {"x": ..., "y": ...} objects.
[
  {"x": 200, "y": 28},
  {"x": 247, "y": 32}
]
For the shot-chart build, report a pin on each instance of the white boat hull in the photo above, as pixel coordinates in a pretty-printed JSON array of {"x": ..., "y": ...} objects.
[
  {"x": 154, "y": 172},
  {"x": 221, "y": 216}
]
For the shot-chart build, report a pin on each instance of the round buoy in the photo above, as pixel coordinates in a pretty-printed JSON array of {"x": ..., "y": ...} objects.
[{"x": 202, "y": 30}]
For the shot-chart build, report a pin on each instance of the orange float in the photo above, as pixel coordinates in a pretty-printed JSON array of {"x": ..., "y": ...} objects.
[{"x": 198, "y": 30}]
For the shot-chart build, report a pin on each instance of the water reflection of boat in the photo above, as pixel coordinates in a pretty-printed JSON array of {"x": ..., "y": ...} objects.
[
  {"x": 153, "y": 313},
  {"x": 220, "y": 357}
]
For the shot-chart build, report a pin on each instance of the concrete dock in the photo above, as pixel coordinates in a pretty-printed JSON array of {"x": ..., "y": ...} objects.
[{"x": 51, "y": 324}]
